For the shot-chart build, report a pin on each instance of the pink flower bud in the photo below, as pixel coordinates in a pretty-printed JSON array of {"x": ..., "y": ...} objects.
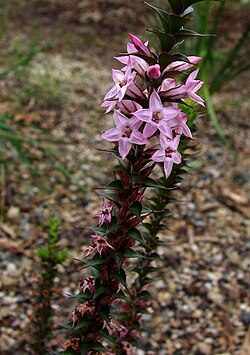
[{"x": 154, "y": 72}]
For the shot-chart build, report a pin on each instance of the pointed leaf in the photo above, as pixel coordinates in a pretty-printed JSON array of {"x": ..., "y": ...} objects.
[
  {"x": 153, "y": 183},
  {"x": 121, "y": 277},
  {"x": 136, "y": 208},
  {"x": 104, "y": 312},
  {"x": 114, "y": 185},
  {"x": 176, "y": 6},
  {"x": 111, "y": 196},
  {"x": 98, "y": 347},
  {"x": 167, "y": 41}
]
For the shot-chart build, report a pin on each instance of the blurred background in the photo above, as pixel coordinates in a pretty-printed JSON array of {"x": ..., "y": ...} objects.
[{"x": 55, "y": 67}]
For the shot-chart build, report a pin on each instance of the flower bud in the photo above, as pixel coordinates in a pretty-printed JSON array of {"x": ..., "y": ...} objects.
[{"x": 154, "y": 72}]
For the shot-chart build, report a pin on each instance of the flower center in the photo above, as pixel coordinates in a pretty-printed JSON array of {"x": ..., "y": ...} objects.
[
  {"x": 157, "y": 116},
  {"x": 126, "y": 132},
  {"x": 122, "y": 83},
  {"x": 168, "y": 152}
]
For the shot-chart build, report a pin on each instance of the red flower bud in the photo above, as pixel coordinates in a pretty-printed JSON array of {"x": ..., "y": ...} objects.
[{"x": 154, "y": 72}]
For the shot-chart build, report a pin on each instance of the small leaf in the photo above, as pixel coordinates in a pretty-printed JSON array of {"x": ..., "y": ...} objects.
[
  {"x": 68, "y": 325},
  {"x": 84, "y": 348},
  {"x": 99, "y": 289},
  {"x": 97, "y": 347},
  {"x": 121, "y": 277},
  {"x": 82, "y": 323},
  {"x": 153, "y": 183},
  {"x": 111, "y": 196},
  {"x": 113, "y": 185},
  {"x": 104, "y": 312},
  {"x": 69, "y": 351},
  {"x": 130, "y": 253},
  {"x": 62, "y": 256},
  {"x": 43, "y": 254},
  {"x": 176, "y": 6},
  {"x": 94, "y": 262},
  {"x": 167, "y": 41},
  {"x": 121, "y": 295},
  {"x": 83, "y": 296},
  {"x": 136, "y": 208}
]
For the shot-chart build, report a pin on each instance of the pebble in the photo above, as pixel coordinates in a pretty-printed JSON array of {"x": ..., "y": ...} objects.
[
  {"x": 204, "y": 348},
  {"x": 13, "y": 213}
]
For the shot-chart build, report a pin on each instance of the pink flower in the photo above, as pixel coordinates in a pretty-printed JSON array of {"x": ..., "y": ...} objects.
[
  {"x": 126, "y": 133},
  {"x": 88, "y": 284},
  {"x": 156, "y": 116},
  {"x": 101, "y": 243},
  {"x": 154, "y": 72},
  {"x": 126, "y": 106},
  {"x": 178, "y": 124},
  {"x": 140, "y": 46},
  {"x": 181, "y": 66},
  {"x": 182, "y": 91},
  {"x": 105, "y": 215},
  {"x": 122, "y": 82},
  {"x": 137, "y": 63},
  {"x": 168, "y": 154}
]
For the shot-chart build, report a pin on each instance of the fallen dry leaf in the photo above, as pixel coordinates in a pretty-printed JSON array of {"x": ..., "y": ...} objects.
[
  {"x": 234, "y": 198},
  {"x": 7, "y": 230}
]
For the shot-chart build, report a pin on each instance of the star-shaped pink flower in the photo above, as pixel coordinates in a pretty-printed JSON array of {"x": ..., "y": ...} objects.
[
  {"x": 156, "y": 116},
  {"x": 126, "y": 133},
  {"x": 168, "y": 154}
]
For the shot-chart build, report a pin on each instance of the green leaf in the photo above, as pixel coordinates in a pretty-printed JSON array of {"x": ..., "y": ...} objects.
[
  {"x": 43, "y": 254},
  {"x": 104, "y": 312},
  {"x": 121, "y": 277},
  {"x": 94, "y": 262},
  {"x": 167, "y": 41},
  {"x": 121, "y": 295},
  {"x": 136, "y": 208},
  {"x": 69, "y": 351},
  {"x": 68, "y": 325},
  {"x": 97, "y": 347},
  {"x": 112, "y": 226},
  {"x": 130, "y": 253},
  {"x": 163, "y": 15},
  {"x": 111, "y": 196},
  {"x": 82, "y": 323},
  {"x": 135, "y": 234},
  {"x": 99, "y": 289},
  {"x": 84, "y": 348},
  {"x": 176, "y": 6},
  {"x": 182, "y": 34},
  {"x": 62, "y": 256},
  {"x": 114, "y": 185},
  {"x": 83, "y": 296},
  {"x": 153, "y": 183}
]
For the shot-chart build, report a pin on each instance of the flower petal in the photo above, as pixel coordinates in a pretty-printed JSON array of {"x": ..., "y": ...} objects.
[
  {"x": 112, "y": 135},
  {"x": 168, "y": 165},
  {"x": 120, "y": 119},
  {"x": 144, "y": 114},
  {"x": 155, "y": 103},
  {"x": 124, "y": 147},
  {"x": 149, "y": 130},
  {"x": 159, "y": 156}
]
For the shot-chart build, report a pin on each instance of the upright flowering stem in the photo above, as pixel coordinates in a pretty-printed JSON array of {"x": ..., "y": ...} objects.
[{"x": 148, "y": 101}]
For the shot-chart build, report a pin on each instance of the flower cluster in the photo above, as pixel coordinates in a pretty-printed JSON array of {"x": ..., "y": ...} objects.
[{"x": 145, "y": 102}]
